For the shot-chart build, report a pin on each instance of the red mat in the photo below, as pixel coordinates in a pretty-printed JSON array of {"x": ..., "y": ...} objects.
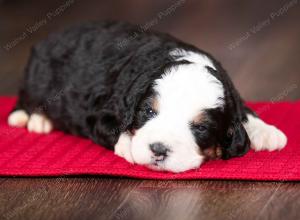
[{"x": 58, "y": 154}]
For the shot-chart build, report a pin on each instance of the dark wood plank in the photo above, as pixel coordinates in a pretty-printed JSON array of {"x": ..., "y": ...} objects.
[
  {"x": 210, "y": 200},
  {"x": 115, "y": 198},
  {"x": 63, "y": 198}
]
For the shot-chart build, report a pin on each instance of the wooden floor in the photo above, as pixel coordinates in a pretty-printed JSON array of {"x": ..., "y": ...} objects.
[
  {"x": 257, "y": 42},
  {"x": 115, "y": 198}
]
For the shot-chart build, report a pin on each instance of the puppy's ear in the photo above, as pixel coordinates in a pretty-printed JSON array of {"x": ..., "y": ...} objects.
[
  {"x": 104, "y": 127},
  {"x": 115, "y": 112},
  {"x": 236, "y": 143},
  {"x": 113, "y": 109}
]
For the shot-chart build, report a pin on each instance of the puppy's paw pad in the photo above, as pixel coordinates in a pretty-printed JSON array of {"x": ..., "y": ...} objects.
[
  {"x": 268, "y": 137},
  {"x": 39, "y": 124},
  {"x": 18, "y": 118}
]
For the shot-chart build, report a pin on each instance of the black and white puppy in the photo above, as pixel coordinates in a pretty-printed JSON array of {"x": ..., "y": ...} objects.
[{"x": 151, "y": 98}]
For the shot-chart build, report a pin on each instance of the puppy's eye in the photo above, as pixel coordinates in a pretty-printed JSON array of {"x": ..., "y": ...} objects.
[
  {"x": 150, "y": 113},
  {"x": 200, "y": 127}
]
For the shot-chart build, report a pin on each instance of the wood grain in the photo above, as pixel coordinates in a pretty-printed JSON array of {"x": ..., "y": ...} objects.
[{"x": 116, "y": 198}]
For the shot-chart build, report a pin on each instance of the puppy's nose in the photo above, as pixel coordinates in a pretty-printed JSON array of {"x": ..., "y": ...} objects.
[{"x": 159, "y": 149}]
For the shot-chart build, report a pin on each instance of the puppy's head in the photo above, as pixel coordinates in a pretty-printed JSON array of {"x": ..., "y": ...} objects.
[
  {"x": 179, "y": 115},
  {"x": 186, "y": 117}
]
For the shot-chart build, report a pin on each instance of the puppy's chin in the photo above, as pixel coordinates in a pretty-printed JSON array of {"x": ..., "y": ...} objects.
[
  {"x": 155, "y": 167},
  {"x": 176, "y": 165}
]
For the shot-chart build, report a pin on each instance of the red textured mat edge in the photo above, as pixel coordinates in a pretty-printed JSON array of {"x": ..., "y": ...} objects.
[{"x": 275, "y": 166}]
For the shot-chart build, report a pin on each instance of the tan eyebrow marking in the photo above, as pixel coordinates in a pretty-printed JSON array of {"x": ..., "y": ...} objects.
[
  {"x": 155, "y": 104},
  {"x": 198, "y": 119},
  {"x": 212, "y": 153}
]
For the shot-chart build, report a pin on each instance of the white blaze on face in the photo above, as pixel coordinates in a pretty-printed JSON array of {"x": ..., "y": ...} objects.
[{"x": 182, "y": 93}]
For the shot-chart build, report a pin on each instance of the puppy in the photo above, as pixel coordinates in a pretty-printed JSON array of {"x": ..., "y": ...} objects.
[{"x": 153, "y": 99}]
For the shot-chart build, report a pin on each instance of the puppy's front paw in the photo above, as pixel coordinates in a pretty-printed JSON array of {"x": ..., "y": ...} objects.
[
  {"x": 123, "y": 147},
  {"x": 18, "y": 118},
  {"x": 267, "y": 137},
  {"x": 264, "y": 136},
  {"x": 39, "y": 124}
]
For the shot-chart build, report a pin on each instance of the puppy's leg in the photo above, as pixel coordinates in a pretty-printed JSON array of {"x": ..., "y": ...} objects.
[
  {"x": 123, "y": 147},
  {"x": 264, "y": 136},
  {"x": 18, "y": 118},
  {"x": 39, "y": 123}
]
